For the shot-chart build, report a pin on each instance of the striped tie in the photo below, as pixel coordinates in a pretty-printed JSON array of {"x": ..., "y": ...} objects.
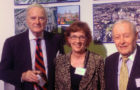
[{"x": 39, "y": 64}]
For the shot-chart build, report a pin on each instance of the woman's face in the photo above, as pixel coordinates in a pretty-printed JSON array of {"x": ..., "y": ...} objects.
[{"x": 77, "y": 41}]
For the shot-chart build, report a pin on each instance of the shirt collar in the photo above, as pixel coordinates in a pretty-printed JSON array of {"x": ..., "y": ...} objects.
[
  {"x": 33, "y": 37},
  {"x": 131, "y": 57}
]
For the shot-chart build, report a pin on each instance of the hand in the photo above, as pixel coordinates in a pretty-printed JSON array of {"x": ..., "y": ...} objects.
[{"x": 30, "y": 76}]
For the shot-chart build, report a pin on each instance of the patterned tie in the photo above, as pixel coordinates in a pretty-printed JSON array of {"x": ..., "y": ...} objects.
[
  {"x": 123, "y": 75},
  {"x": 39, "y": 64}
]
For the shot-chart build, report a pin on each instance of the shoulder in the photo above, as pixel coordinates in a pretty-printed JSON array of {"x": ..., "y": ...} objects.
[
  {"x": 16, "y": 38},
  {"x": 95, "y": 58},
  {"x": 112, "y": 59},
  {"x": 61, "y": 58},
  {"x": 138, "y": 47},
  {"x": 114, "y": 55}
]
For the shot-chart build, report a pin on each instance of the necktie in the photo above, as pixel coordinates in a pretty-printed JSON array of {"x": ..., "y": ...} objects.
[
  {"x": 123, "y": 75},
  {"x": 39, "y": 64}
]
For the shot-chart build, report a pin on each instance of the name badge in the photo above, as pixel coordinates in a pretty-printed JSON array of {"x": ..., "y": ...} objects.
[
  {"x": 137, "y": 82},
  {"x": 80, "y": 71},
  {"x": 41, "y": 82}
]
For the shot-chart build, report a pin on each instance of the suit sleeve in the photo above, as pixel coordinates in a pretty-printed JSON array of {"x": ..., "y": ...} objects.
[
  {"x": 7, "y": 72},
  {"x": 107, "y": 76},
  {"x": 101, "y": 74}
]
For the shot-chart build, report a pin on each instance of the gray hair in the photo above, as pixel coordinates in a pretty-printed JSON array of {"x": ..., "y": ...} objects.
[
  {"x": 133, "y": 26},
  {"x": 36, "y": 5}
]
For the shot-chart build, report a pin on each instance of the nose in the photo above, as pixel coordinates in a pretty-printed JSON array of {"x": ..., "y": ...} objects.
[
  {"x": 122, "y": 40},
  {"x": 37, "y": 21},
  {"x": 78, "y": 39}
]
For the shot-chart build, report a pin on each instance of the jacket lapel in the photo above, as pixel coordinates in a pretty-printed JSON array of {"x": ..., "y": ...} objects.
[
  {"x": 135, "y": 72},
  {"x": 90, "y": 69},
  {"x": 26, "y": 50},
  {"x": 115, "y": 71},
  {"x": 67, "y": 70}
]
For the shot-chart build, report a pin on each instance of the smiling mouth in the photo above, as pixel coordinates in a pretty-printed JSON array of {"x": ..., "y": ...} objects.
[
  {"x": 122, "y": 47},
  {"x": 78, "y": 46},
  {"x": 37, "y": 26}
]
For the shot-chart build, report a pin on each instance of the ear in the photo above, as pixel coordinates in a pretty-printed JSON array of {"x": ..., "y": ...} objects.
[{"x": 137, "y": 35}]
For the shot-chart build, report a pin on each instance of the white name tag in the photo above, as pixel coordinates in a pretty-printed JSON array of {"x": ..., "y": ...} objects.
[
  {"x": 137, "y": 82},
  {"x": 41, "y": 81},
  {"x": 80, "y": 71}
]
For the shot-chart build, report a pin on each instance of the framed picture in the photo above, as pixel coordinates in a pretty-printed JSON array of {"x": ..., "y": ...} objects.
[
  {"x": 62, "y": 28},
  {"x": 24, "y": 2},
  {"x": 55, "y": 1},
  {"x": 68, "y": 0},
  {"x": 68, "y": 14},
  {"x": 103, "y": 0},
  {"x": 105, "y": 15},
  {"x": 20, "y": 20},
  {"x": 27, "y": 2},
  {"x": 115, "y": 0}
]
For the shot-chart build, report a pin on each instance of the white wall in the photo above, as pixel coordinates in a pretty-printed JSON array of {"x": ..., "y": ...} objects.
[
  {"x": 7, "y": 20},
  {"x": 6, "y": 24}
]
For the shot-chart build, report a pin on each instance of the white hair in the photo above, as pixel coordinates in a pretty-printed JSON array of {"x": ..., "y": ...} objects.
[
  {"x": 133, "y": 26},
  {"x": 36, "y": 5}
]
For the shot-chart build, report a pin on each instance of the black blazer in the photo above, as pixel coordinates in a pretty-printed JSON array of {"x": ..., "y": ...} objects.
[
  {"x": 111, "y": 70},
  {"x": 16, "y": 59}
]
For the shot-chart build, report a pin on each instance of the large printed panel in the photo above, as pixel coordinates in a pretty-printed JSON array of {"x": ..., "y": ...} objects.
[
  {"x": 68, "y": 14},
  {"x": 20, "y": 22},
  {"x": 105, "y": 15},
  {"x": 58, "y": 18},
  {"x": 27, "y": 2}
]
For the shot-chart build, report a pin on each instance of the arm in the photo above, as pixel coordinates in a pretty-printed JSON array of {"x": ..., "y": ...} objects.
[
  {"x": 11, "y": 70},
  {"x": 55, "y": 64},
  {"x": 7, "y": 72},
  {"x": 101, "y": 74},
  {"x": 58, "y": 72}
]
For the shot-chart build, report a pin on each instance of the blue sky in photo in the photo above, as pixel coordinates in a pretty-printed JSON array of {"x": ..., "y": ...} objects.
[{"x": 64, "y": 9}]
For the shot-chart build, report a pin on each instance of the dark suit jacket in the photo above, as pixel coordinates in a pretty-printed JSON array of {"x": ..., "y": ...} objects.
[
  {"x": 111, "y": 70},
  {"x": 92, "y": 80},
  {"x": 16, "y": 59}
]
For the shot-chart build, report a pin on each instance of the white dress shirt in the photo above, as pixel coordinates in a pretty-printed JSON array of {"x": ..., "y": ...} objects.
[
  {"x": 32, "y": 40},
  {"x": 129, "y": 63}
]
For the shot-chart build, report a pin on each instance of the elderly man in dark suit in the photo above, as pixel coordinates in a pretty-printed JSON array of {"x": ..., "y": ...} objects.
[
  {"x": 122, "y": 69},
  {"x": 19, "y": 65}
]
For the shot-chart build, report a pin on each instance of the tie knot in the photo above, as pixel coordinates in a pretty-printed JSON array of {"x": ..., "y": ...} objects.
[
  {"x": 125, "y": 59},
  {"x": 38, "y": 41}
]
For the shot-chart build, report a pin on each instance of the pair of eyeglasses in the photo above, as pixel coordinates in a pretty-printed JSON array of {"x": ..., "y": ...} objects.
[{"x": 74, "y": 37}]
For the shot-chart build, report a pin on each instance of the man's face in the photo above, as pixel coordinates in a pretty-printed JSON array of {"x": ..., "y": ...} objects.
[
  {"x": 36, "y": 20},
  {"x": 124, "y": 38}
]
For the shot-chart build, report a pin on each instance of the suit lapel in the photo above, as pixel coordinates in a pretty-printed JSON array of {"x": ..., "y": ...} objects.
[
  {"x": 26, "y": 50},
  {"x": 135, "y": 72},
  {"x": 114, "y": 75},
  {"x": 48, "y": 52},
  {"x": 90, "y": 69},
  {"x": 51, "y": 52},
  {"x": 67, "y": 70}
]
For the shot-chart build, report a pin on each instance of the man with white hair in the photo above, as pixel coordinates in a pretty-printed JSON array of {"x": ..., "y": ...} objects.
[
  {"x": 122, "y": 69},
  {"x": 27, "y": 58}
]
